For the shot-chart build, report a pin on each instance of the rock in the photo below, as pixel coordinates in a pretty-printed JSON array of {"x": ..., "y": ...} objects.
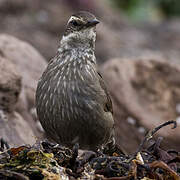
[
  {"x": 146, "y": 93},
  {"x": 28, "y": 62},
  {"x": 10, "y": 84},
  {"x": 21, "y": 67},
  {"x": 12, "y": 6},
  {"x": 14, "y": 129}
]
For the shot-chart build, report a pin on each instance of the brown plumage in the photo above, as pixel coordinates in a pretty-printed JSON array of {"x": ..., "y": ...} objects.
[{"x": 73, "y": 104}]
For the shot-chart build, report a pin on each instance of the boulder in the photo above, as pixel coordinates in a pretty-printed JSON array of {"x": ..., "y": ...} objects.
[
  {"x": 20, "y": 68},
  {"x": 10, "y": 84},
  {"x": 14, "y": 129},
  {"x": 28, "y": 62},
  {"x": 145, "y": 93}
]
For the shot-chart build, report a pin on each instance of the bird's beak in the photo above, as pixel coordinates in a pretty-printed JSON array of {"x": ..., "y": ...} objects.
[{"x": 92, "y": 23}]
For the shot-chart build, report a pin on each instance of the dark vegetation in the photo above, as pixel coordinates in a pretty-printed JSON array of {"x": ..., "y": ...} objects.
[{"x": 45, "y": 160}]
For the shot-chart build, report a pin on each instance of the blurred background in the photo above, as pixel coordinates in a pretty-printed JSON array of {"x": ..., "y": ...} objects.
[{"x": 137, "y": 50}]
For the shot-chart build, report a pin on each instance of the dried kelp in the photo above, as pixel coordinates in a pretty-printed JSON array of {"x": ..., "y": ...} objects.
[{"x": 45, "y": 160}]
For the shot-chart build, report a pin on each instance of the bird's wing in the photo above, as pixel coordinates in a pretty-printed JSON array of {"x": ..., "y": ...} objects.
[{"x": 108, "y": 104}]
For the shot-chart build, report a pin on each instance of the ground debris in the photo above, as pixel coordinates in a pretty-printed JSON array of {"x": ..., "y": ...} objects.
[{"x": 49, "y": 161}]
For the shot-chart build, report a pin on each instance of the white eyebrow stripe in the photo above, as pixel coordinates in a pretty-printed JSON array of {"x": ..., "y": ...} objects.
[{"x": 73, "y": 18}]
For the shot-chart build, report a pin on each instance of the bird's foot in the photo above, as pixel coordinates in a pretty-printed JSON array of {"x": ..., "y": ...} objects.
[
  {"x": 4, "y": 145},
  {"x": 73, "y": 162},
  {"x": 113, "y": 149}
]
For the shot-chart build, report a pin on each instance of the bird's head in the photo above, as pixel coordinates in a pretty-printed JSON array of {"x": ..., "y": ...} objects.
[{"x": 80, "y": 30}]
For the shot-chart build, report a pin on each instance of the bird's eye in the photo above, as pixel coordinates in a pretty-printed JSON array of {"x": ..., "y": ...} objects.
[{"x": 75, "y": 23}]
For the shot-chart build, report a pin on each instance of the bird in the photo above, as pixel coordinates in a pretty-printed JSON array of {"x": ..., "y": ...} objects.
[{"x": 72, "y": 101}]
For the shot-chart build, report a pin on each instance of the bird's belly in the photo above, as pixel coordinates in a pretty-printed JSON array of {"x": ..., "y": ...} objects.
[
  {"x": 83, "y": 121},
  {"x": 73, "y": 113}
]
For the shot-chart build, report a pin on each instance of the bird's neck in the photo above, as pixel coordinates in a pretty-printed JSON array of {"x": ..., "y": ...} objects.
[
  {"x": 74, "y": 41},
  {"x": 78, "y": 49},
  {"x": 78, "y": 54}
]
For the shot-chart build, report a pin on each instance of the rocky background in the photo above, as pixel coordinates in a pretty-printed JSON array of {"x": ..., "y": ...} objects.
[{"x": 140, "y": 62}]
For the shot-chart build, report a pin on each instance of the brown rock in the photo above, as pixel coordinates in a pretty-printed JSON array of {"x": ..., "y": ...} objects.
[
  {"x": 16, "y": 54},
  {"x": 14, "y": 129},
  {"x": 12, "y": 6},
  {"x": 145, "y": 93},
  {"x": 28, "y": 62},
  {"x": 10, "y": 84}
]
